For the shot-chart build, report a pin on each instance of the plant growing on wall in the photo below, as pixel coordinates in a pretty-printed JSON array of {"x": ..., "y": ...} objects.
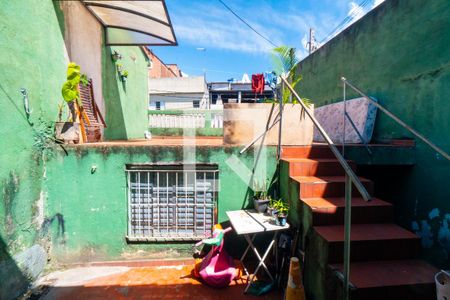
[
  {"x": 116, "y": 55},
  {"x": 123, "y": 74}
]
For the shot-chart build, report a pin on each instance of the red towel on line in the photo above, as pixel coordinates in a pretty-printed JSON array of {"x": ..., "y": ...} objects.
[{"x": 258, "y": 83}]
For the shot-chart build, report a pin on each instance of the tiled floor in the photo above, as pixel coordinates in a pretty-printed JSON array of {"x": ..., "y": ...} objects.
[{"x": 148, "y": 282}]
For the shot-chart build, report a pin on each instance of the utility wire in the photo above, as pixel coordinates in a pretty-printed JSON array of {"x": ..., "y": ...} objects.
[
  {"x": 248, "y": 25},
  {"x": 341, "y": 26}
]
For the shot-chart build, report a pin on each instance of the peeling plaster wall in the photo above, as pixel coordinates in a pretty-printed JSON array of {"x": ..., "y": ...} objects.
[
  {"x": 93, "y": 206},
  {"x": 399, "y": 54},
  {"x": 33, "y": 56}
]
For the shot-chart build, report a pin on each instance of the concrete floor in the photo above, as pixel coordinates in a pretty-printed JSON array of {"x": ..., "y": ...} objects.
[{"x": 136, "y": 282}]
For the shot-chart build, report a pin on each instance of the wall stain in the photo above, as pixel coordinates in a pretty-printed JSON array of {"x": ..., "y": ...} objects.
[
  {"x": 430, "y": 73},
  {"x": 61, "y": 228},
  {"x": 434, "y": 233},
  {"x": 10, "y": 190}
]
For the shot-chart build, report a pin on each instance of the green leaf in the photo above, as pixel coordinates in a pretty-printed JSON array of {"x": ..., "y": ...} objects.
[
  {"x": 69, "y": 92},
  {"x": 69, "y": 89},
  {"x": 73, "y": 73},
  {"x": 84, "y": 79}
]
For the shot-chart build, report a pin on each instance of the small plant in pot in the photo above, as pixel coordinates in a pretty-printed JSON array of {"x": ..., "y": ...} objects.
[
  {"x": 281, "y": 217},
  {"x": 272, "y": 207},
  {"x": 116, "y": 55},
  {"x": 260, "y": 197},
  {"x": 69, "y": 131},
  {"x": 124, "y": 75}
]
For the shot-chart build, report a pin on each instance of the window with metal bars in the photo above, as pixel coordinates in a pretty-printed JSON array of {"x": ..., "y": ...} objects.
[{"x": 174, "y": 202}]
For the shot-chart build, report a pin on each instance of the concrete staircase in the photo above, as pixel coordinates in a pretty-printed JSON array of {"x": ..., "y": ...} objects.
[{"x": 384, "y": 256}]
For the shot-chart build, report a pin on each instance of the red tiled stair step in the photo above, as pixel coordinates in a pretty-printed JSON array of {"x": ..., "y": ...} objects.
[
  {"x": 327, "y": 186},
  {"x": 317, "y": 166},
  {"x": 370, "y": 242},
  {"x": 392, "y": 279},
  {"x": 330, "y": 211},
  {"x": 307, "y": 152}
]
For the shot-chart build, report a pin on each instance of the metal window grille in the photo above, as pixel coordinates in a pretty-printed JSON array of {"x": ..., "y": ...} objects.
[{"x": 171, "y": 202}]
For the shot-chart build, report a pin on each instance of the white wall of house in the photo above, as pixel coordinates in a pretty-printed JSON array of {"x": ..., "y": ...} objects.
[
  {"x": 178, "y": 92},
  {"x": 83, "y": 38}
]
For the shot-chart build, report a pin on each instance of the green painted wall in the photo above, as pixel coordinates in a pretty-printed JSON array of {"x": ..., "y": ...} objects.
[
  {"x": 126, "y": 102},
  {"x": 30, "y": 36},
  {"x": 399, "y": 54},
  {"x": 94, "y": 206}
]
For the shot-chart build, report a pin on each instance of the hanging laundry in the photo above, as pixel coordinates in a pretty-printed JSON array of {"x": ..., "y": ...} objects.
[
  {"x": 245, "y": 78},
  {"x": 271, "y": 79},
  {"x": 258, "y": 83}
]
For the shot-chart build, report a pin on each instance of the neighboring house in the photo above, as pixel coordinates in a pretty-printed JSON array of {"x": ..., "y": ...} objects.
[
  {"x": 178, "y": 93},
  {"x": 169, "y": 89},
  {"x": 175, "y": 69},
  {"x": 158, "y": 69},
  {"x": 236, "y": 92}
]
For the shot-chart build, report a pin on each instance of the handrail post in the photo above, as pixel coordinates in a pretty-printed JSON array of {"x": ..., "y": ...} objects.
[
  {"x": 280, "y": 125},
  {"x": 396, "y": 119},
  {"x": 347, "y": 233},
  {"x": 348, "y": 170},
  {"x": 344, "y": 120}
]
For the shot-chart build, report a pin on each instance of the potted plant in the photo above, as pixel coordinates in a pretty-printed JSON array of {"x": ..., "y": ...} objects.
[
  {"x": 122, "y": 72},
  {"x": 119, "y": 68},
  {"x": 69, "y": 131},
  {"x": 116, "y": 55},
  {"x": 260, "y": 197},
  {"x": 272, "y": 207},
  {"x": 281, "y": 217},
  {"x": 124, "y": 75}
]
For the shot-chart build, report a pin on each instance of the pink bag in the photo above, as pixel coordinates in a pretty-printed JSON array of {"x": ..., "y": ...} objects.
[{"x": 217, "y": 269}]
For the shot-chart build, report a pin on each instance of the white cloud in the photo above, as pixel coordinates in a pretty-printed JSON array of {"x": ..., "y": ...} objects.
[
  {"x": 213, "y": 27},
  {"x": 210, "y": 25}
]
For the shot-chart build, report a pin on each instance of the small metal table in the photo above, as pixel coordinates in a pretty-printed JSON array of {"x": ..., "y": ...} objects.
[{"x": 249, "y": 223}]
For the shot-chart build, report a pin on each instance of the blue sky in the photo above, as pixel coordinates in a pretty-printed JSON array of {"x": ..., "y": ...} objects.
[{"x": 231, "y": 48}]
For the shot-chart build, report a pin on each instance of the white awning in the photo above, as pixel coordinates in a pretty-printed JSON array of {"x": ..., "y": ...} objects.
[{"x": 143, "y": 22}]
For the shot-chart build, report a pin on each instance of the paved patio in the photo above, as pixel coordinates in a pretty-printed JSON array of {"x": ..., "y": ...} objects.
[{"x": 136, "y": 282}]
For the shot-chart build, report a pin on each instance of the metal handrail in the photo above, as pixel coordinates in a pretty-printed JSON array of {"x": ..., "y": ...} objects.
[
  {"x": 396, "y": 119},
  {"x": 348, "y": 170},
  {"x": 350, "y": 177}
]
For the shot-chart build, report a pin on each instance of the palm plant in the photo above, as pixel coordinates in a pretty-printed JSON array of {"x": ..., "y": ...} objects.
[{"x": 285, "y": 62}]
